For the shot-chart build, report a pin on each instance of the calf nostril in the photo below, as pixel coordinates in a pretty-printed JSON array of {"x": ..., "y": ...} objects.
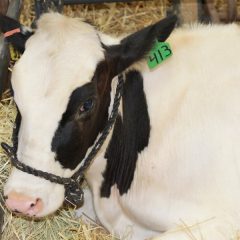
[
  {"x": 38, "y": 200},
  {"x": 32, "y": 205},
  {"x": 20, "y": 203}
]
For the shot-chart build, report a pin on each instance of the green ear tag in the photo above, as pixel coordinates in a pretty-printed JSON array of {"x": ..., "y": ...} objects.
[{"x": 159, "y": 53}]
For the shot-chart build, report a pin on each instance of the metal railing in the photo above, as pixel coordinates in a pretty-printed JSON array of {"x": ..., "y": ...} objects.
[{"x": 93, "y": 1}]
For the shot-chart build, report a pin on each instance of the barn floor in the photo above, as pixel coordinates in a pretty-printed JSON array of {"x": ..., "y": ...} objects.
[{"x": 110, "y": 18}]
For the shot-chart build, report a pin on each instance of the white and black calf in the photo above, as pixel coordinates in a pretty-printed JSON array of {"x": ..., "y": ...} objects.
[{"x": 170, "y": 168}]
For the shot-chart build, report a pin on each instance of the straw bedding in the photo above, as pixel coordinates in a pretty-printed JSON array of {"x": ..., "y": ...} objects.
[{"x": 110, "y": 18}]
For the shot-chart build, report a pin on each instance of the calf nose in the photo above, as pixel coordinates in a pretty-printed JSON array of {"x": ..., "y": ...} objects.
[{"x": 20, "y": 203}]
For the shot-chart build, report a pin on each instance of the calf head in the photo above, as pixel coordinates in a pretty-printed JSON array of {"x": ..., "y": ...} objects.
[{"x": 62, "y": 86}]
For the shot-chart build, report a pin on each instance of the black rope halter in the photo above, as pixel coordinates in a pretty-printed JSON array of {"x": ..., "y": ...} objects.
[{"x": 73, "y": 191}]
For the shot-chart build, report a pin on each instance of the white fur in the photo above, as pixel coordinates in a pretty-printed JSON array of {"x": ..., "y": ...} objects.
[{"x": 187, "y": 180}]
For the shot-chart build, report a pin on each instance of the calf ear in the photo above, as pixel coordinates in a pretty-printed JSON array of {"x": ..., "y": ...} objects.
[
  {"x": 14, "y": 32},
  {"x": 135, "y": 46}
]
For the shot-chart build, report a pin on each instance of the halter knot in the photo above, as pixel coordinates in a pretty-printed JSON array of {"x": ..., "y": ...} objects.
[{"x": 74, "y": 193}]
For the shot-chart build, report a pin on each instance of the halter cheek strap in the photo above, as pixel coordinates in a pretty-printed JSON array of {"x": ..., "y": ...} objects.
[{"x": 12, "y": 32}]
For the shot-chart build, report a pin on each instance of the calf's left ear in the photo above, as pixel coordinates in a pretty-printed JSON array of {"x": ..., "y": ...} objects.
[
  {"x": 135, "y": 46},
  {"x": 14, "y": 32}
]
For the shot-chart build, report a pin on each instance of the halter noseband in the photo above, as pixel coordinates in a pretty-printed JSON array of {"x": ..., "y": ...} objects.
[{"x": 73, "y": 190}]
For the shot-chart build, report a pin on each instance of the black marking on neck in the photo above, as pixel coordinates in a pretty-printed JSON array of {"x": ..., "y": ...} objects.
[{"x": 130, "y": 136}]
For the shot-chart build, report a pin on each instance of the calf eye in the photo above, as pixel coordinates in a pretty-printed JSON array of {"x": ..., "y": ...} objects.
[{"x": 86, "y": 106}]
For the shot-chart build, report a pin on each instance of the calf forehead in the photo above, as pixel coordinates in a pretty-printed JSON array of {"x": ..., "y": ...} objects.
[{"x": 61, "y": 56}]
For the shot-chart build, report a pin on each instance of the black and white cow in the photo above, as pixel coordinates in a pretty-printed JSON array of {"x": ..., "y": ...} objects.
[{"x": 170, "y": 168}]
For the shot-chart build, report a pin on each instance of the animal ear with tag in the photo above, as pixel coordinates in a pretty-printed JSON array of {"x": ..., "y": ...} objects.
[
  {"x": 137, "y": 45},
  {"x": 14, "y": 32}
]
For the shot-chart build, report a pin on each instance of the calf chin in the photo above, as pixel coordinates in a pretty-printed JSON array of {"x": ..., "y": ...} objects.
[{"x": 23, "y": 184}]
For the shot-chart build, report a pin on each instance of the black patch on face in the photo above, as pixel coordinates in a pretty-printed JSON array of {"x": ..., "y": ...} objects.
[
  {"x": 130, "y": 136},
  {"x": 77, "y": 132},
  {"x": 16, "y": 128}
]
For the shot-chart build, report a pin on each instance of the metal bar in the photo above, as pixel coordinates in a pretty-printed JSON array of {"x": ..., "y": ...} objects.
[
  {"x": 4, "y": 6},
  {"x": 224, "y": 17},
  {"x": 94, "y": 1},
  {"x": 189, "y": 11},
  {"x": 232, "y": 10},
  {"x": 4, "y": 62},
  {"x": 3, "y": 53},
  {"x": 14, "y": 9},
  {"x": 175, "y": 10},
  {"x": 210, "y": 8},
  {"x": 43, "y": 6}
]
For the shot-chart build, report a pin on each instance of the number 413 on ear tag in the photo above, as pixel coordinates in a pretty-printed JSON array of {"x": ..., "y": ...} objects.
[{"x": 159, "y": 53}]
